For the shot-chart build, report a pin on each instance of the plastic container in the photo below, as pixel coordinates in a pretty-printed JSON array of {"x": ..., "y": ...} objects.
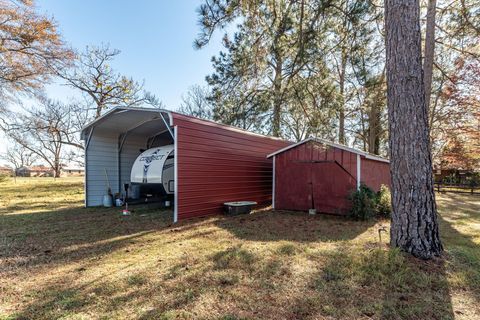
[{"x": 107, "y": 201}]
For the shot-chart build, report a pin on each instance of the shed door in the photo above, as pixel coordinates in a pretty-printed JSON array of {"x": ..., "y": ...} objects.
[
  {"x": 294, "y": 189},
  {"x": 331, "y": 186}
]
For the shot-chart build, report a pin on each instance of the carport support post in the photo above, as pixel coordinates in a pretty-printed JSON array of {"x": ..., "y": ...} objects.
[
  {"x": 175, "y": 174},
  {"x": 87, "y": 143},
  {"x": 121, "y": 142},
  {"x": 273, "y": 184},
  {"x": 358, "y": 171}
]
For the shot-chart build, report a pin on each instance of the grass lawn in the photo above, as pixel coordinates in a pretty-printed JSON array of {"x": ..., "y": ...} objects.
[{"x": 59, "y": 260}]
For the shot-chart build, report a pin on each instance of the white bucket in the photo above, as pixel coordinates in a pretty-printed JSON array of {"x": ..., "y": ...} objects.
[{"x": 107, "y": 201}]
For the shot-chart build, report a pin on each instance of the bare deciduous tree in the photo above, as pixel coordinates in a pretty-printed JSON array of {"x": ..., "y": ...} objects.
[
  {"x": 31, "y": 48},
  {"x": 195, "y": 103},
  {"x": 93, "y": 75},
  {"x": 18, "y": 156},
  {"x": 46, "y": 131}
]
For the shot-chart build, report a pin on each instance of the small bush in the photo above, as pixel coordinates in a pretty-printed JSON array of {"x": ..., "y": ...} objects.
[
  {"x": 3, "y": 178},
  {"x": 364, "y": 203},
  {"x": 384, "y": 199},
  {"x": 367, "y": 204}
]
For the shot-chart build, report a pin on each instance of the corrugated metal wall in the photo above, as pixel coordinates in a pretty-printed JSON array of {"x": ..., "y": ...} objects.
[
  {"x": 101, "y": 155},
  {"x": 218, "y": 163},
  {"x": 314, "y": 175},
  {"x": 130, "y": 152},
  {"x": 375, "y": 173}
]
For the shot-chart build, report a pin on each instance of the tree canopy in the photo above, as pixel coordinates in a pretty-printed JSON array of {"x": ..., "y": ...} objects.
[{"x": 317, "y": 68}]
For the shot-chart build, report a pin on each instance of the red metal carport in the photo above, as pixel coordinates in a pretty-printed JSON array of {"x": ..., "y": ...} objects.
[
  {"x": 318, "y": 174},
  {"x": 218, "y": 163},
  {"x": 214, "y": 163}
]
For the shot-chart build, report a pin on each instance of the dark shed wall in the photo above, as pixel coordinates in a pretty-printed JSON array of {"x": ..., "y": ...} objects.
[
  {"x": 315, "y": 175},
  {"x": 375, "y": 173},
  {"x": 217, "y": 164}
]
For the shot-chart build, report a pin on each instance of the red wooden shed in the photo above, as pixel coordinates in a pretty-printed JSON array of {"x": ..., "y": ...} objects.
[
  {"x": 213, "y": 163},
  {"x": 317, "y": 174}
]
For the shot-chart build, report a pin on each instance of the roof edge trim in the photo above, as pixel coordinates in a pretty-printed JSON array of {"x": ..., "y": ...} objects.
[
  {"x": 332, "y": 144},
  {"x": 117, "y": 110}
]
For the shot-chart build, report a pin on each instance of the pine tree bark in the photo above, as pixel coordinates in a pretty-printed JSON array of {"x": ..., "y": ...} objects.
[
  {"x": 341, "y": 117},
  {"x": 429, "y": 50},
  {"x": 414, "y": 226},
  {"x": 277, "y": 99},
  {"x": 374, "y": 129}
]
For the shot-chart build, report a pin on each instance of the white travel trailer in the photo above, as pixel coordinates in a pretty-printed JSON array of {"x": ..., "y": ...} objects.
[{"x": 153, "y": 171}]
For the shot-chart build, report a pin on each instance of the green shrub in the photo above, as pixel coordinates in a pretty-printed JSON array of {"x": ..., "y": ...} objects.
[
  {"x": 367, "y": 204},
  {"x": 384, "y": 202},
  {"x": 364, "y": 203}
]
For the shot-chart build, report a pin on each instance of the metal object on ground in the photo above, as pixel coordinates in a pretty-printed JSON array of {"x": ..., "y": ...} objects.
[{"x": 239, "y": 207}]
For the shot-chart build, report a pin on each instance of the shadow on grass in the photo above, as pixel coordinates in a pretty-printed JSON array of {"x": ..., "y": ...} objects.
[
  {"x": 345, "y": 280},
  {"x": 376, "y": 284},
  {"x": 293, "y": 226},
  {"x": 459, "y": 227},
  {"x": 54, "y": 237}
]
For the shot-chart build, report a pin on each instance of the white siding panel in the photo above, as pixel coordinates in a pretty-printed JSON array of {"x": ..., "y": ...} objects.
[
  {"x": 101, "y": 156},
  {"x": 130, "y": 152}
]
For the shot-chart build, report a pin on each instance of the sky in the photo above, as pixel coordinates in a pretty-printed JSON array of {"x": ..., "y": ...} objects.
[{"x": 155, "y": 38}]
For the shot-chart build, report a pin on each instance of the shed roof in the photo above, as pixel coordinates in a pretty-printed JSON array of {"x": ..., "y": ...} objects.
[{"x": 332, "y": 144}]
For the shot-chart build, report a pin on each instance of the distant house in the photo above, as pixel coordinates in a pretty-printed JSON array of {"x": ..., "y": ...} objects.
[
  {"x": 6, "y": 171},
  {"x": 35, "y": 171},
  {"x": 72, "y": 171}
]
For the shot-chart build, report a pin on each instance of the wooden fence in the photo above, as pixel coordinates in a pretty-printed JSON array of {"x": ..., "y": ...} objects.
[{"x": 457, "y": 188}]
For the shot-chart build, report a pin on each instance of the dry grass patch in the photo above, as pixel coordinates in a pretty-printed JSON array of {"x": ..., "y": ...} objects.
[{"x": 61, "y": 261}]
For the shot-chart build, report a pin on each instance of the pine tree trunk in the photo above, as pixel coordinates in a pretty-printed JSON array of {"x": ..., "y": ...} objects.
[
  {"x": 277, "y": 99},
  {"x": 429, "y": 50},
  {"x": 414, "y": 226},
  {"x": 374, "y": 129},
  {"x": 341, "y": 117},
  {"x": 375, "y": 117}
]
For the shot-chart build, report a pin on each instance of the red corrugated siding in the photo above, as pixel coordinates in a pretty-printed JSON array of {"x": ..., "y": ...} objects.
[
  {"x": 375, "y": 173},
  {"x": 321, "y": 176},
  {"x": 217, "y": 164}
]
